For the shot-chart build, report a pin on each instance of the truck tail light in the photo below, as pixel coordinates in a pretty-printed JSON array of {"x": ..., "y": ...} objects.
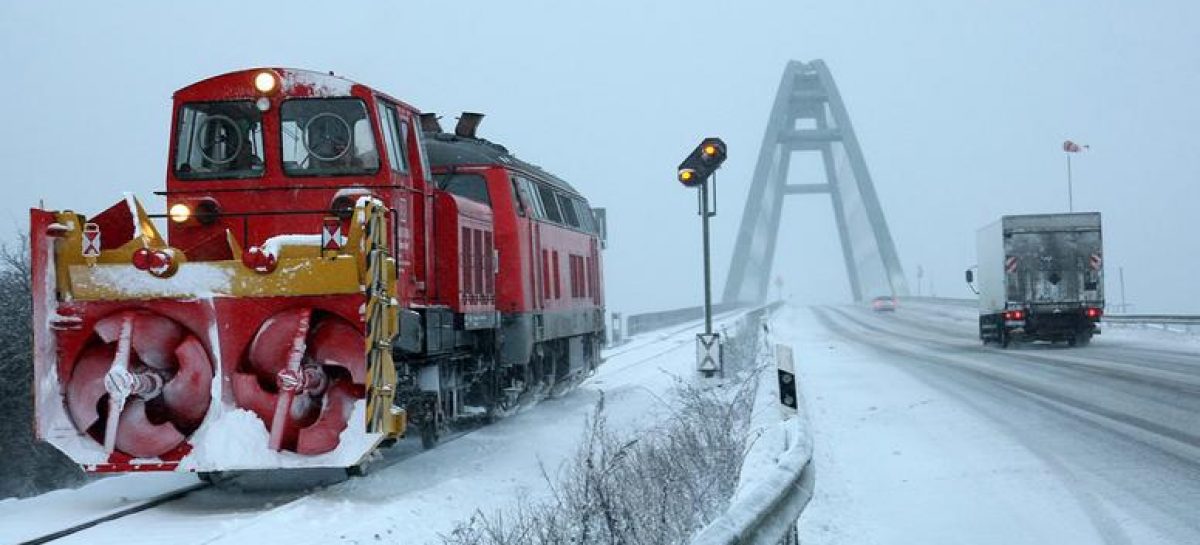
[
  {"x": 1094, "y": 313},
  {"x": 1014, "y": 315}
]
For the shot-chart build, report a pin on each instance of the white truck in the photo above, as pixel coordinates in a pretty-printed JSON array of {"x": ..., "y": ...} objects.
[{"x": 1040, "y": 277}]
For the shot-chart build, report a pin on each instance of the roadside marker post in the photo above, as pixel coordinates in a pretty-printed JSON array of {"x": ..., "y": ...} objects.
[{"x": 787, "y": 380}]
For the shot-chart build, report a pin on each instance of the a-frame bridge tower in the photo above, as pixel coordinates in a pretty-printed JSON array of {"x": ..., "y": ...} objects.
[{"x": 809, "y": 117}]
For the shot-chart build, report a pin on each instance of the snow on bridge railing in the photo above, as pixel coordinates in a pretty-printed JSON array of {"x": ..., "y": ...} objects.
[
  {"x": 1190, "y": 320},
  {"x": 777, "y": 476},
  {"x": 941, "y": 300},
  {"x": 650, "y": 321},
  {"x": 1166, "y": 319}
]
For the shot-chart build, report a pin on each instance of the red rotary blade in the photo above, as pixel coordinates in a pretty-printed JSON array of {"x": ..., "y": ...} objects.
[
  {"x": 323, "y": 435},
  {"x": 86, "y": 386},
  {"x": 141, "y": 438},
  {"x": 188, "y": 394},
  {"x": 337, "y": 343},
  {"x": 151, "y": 370}
]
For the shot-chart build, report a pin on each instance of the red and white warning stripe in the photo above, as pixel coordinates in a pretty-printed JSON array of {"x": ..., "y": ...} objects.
[
  {"x": 1010, "y": 264},
  {"x": 331, "y": 234},
  {"x": 91, "y": 240},
  {"x": 1095, "y": 261}
]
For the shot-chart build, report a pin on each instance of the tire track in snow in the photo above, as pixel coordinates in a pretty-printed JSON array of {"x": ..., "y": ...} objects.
[{"x": 1185, "y": 456}]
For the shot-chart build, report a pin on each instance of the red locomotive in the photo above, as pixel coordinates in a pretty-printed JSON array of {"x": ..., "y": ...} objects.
[{"x": 336, "y": 270}]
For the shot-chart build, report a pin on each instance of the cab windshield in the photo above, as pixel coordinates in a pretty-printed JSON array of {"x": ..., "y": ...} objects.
[
  {"x": 327, "y": 137},
  {"x": 219, "y": 140}
]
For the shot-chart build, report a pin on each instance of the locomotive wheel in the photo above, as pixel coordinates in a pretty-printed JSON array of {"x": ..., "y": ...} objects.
[{"x": 429, "y": 435}]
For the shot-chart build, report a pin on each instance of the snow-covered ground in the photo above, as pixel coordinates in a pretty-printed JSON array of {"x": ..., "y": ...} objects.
[
  {"x": 412, "y": 501},
  {"x": 22, "y": 520},
  {"x": 923, "y": 436}
]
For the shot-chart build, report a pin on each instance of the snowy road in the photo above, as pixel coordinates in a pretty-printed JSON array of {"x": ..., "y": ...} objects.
[
  {"x": 924, "y": 436},
  {"x": 418, "y": 497}
]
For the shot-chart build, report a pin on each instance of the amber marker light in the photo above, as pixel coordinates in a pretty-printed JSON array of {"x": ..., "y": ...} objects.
[
  {"x": 265, "y": 82},
  {"x": 180, "y": 213}
]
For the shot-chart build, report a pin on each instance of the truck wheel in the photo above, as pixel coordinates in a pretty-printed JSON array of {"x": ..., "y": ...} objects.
[
  {"x": 1082, "y": 339},
  {"x": 1005, "y": 340}
]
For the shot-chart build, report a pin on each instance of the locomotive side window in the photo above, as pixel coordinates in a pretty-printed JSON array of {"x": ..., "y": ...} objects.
[
  {"x": 519, "y": 199},
  {"x": 549, "y": 203},
  {"x": 327, "y": 137},
  {"x": 420, "y": 144},
  {"x": 568, "y": 210},
  {"x": 470, "y": 186},
  {"x": 219, "y": 140},
  {"x": 393, "y": 136},
  {"x": 585, "y": 215},
  {"x": 534, "y": 198}
]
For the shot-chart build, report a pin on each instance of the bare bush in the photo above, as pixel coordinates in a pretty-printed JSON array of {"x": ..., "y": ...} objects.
[
  {"x": 656, "y": 487},
  {"x": 30, "y": 466}
]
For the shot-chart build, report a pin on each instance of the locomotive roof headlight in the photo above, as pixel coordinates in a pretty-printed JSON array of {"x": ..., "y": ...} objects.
[
  {"x": 266, "y": 82},
  {"x": 180, "y": 213},
  {"x": 263, "y": 104}
]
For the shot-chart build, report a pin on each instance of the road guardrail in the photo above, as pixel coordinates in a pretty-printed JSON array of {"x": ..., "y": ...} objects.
[
  {"x": 1190, "y": 320},
  {"x": 777, "y": 477}
]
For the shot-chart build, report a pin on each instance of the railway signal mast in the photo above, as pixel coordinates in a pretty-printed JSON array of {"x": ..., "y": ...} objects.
[{"x": 695, "y": 171}]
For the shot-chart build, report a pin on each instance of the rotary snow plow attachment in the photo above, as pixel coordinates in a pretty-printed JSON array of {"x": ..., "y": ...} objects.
[{"x": 280, "y": 359}]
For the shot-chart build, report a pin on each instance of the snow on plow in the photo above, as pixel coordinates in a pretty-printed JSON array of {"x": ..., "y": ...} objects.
[{"x": 145, "y": 361}]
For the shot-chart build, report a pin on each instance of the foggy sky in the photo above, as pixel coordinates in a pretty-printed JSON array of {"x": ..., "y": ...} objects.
[{"x": 960, "y": 107}]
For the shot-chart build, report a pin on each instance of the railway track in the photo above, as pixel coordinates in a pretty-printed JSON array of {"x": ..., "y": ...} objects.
[{"x": 146, "y": 505}]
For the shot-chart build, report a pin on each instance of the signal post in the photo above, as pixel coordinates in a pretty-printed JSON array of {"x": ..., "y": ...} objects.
[{"x": 695, "y": 171}]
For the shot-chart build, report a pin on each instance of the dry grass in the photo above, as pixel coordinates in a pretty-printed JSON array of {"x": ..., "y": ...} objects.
[{"x": 656, "y": 487}]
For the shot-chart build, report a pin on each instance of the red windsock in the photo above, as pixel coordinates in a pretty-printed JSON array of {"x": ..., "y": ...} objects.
[{"x": 1072, "y": 147}]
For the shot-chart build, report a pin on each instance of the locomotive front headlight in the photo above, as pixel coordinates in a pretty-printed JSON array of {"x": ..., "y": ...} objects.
[
  {"x": 265, "y": 82},
  {"x": 180, "y": 213}
]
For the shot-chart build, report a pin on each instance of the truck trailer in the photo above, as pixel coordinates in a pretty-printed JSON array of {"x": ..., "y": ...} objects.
[{"x": 1040, "y": 277}]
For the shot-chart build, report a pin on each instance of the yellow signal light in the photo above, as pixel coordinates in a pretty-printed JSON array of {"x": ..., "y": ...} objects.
[
  {"x": 710, "y": 150},
  {"x": 686, "y": 175}
]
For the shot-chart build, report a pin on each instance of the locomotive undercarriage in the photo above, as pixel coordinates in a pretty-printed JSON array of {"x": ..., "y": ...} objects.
[{"x": 469, "y": 387}]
